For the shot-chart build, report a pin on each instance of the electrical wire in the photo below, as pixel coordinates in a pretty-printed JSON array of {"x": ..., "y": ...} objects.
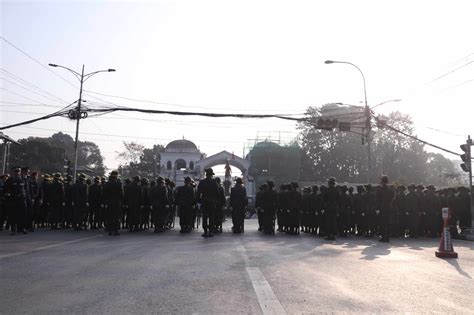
[
  {"x": 452, "y": 71},
  {"x": 23, "y": 81},
  {"x": 27, "y": 98},
  {"x": 36, "y": 61},
  {"x": 32, "y": 91},
  {"x": 174, "y": 104},
  {"x": 415, "y": 138}
]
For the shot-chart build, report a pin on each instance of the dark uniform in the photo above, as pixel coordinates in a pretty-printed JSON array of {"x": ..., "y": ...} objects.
[
  {"x": 385, "y": 196},
  {"x": 316, "y": 211},
  {"x": 134, "y": 202},
  {"x": 411, "y": 202},
  {"x": 258, "y": 206},
  {"x": 331, "y": 199},
  {"x": 159, "y": 201},
  {"x": 238, "y": 202},
  {"x": 208, "y": 195},
  {"x": 185, "y": 199},
  {"x": 16, "y": 197},
  {"x": 219, "y": 208},
  {"x": 66, "y": 211},
  {"x": 79, "y": 201},
  {"x": 282, "y": 210},
  {"x": 269, "y": 204},
  {"x": 56, "y": 199},
  {"x": 146, "y": 205},
  {"x": 306, "y": 210},
  {"x": 113, "y": 196},
  {"x": 36, "y": 199},
  {"x": 3, "y": 202},
  {"x": 360, "y": 211},
  {"x": 95, "y": 204},
  {"x": 344, "y": 212}
]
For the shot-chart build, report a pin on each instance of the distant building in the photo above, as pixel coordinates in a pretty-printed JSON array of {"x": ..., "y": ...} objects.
[
  {"x": 271, "y": 161},
  {"x": 179, "y": 160}
]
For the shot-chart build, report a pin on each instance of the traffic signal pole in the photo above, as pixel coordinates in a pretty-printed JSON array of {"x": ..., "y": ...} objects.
[{"x": 468, "y": 233}]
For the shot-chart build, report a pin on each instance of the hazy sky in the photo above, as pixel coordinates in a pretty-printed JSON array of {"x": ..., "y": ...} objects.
[{"x": 236, "y": 56}]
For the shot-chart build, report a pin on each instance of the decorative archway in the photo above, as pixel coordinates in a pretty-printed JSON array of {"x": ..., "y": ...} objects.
[{"x": 233, "y": 160}]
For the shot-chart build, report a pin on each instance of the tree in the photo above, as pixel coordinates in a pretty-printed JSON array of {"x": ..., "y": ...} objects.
[
  {"x": 401, "y": 158},
  {"x": 340, "y": 154},
  {"x": 138, "y": 160},
  {"x": 49, "y": 155},
  {"x": 331, "y": 153}
]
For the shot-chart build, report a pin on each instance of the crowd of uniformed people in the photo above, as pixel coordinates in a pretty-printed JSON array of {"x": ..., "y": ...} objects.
[{"x": 28, "y": 201}]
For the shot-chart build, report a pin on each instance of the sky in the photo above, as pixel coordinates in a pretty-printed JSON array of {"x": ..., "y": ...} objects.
[{"x": 234, "y": 57}]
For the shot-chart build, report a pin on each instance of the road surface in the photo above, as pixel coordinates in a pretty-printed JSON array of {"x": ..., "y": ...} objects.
[{"x": 90, "y": 272}]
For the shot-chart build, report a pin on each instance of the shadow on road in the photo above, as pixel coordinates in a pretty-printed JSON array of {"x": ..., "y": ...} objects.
[
  {"x": 375, "y": 251},
  {"x": 455, "y": 264}
]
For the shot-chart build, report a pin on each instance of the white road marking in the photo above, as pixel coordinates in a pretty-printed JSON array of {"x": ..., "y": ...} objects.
[
  {"x": 267, "y": 299},
  {"x": 48, "y": 247}
]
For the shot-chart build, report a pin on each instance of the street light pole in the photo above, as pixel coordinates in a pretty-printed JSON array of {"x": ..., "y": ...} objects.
[
  {"x": 78, "y": 117},
  {"x": 368, "y": 121},
  {"x": 82, "y": 78}
]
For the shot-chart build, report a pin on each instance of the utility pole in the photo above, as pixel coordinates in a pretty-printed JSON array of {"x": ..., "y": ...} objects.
[
  {"x": 154, "y": 167},
  {"x": 368, "y": 120},
  {"x": 6, "y": 150},
  {"x": 77, "y": 114},
  {"x": 468, "y": 233},
  {"x": 78, "y": 117}
]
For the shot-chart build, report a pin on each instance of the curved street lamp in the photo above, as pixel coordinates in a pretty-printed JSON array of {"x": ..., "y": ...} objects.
[
  {"x": 82, "y": 78},
  {"x": 368, "y": 125}
]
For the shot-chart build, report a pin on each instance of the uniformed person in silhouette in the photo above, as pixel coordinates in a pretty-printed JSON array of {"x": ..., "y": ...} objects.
[
  {"x": 113, "y": 197},
  {"x": 238, "y": 201},
  {"x": 79, "y": 199},
  {"x": 331, "y": 198},
  {"x": 159, "y": 201},
  {"x": 208, "y": 195},
  {"x": 15, "y": 192},
  {"x": 384, "y": 198},
  {"x": 186, "y": 199}
]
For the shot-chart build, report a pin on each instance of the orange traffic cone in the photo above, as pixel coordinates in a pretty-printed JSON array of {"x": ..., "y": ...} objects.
[{"x": 446, "y": 249}]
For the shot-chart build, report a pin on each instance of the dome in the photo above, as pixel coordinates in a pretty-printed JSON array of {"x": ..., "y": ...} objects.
[
  {"x": 266, "y": 144},
  {"x": 181, "y": 144}
]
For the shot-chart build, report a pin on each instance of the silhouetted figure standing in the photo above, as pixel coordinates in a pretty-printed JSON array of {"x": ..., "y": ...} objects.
[
  {"x": 331, "y": 206},
  {"x": 113, "y": 195},
  {"x": 208, "y": 194},
  {"x": 238, "y": 202},
  {"x": 384, "y": 202}
]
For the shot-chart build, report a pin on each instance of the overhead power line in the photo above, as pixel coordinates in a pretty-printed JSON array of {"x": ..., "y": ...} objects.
[
  {"x": 27, "y": 98},
  {"x": 37, "y": 61},
  {"x": 416, "y": 138},
  {"x": 32, "y": 91},
  {"x": 174, "y": 104},
  {"x": 23, "y": 81},
  {"x": 452, "y": 71}
]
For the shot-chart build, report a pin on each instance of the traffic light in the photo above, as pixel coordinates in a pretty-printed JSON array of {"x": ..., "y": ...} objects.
[
  {"x": 327, "y": 124},
  {"x": 344, "y": 126},
  {"x": 466, "y": 157}
]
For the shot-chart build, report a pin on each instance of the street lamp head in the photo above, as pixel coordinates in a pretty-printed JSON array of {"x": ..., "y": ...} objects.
[
  {"x": 328, "y": 62},
  {"x": 111, "y": 70},
  {"x": 52, "y": 65}
]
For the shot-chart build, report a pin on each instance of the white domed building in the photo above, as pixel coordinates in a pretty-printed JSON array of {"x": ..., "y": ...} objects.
[{"x": 179, "y": 160}]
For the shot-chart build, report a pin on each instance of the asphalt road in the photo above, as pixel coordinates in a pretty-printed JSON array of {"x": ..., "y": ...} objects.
[{"x": 49, "y": 272}]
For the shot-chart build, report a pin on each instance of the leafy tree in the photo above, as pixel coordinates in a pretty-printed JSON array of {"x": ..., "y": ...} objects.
[
  {"x": 340, "y": 154},
  {"x": 49, "y": 155},
  {"x": 138, "y": 160},
  {"x": 331, "y": 153}
]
